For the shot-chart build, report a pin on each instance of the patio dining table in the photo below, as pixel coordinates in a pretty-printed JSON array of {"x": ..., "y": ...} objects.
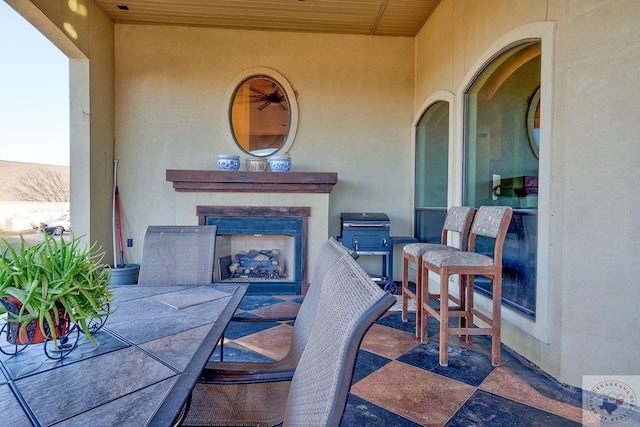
[{"x": 150, "y": 353}]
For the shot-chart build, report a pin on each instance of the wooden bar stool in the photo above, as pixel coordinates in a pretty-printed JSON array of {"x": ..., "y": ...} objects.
[
  {"x": 490, "y": 221},
  {"x": 458, "y": 220}
]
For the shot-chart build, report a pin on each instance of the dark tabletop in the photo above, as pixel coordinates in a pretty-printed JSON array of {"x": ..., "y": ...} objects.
[{"x": 150, "y": 353}]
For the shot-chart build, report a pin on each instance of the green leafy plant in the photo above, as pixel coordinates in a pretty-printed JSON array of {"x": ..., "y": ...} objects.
[{"x": 52, "y": 277}]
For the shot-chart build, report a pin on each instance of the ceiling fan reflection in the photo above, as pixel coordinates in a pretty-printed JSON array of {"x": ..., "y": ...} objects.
[{"x": 266, "y": 99}]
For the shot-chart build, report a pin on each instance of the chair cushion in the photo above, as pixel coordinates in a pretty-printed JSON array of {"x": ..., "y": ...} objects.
[
  {"x": 456, "y": 218},
  {"x": 418, "y": 249},
  {"x": 457, "y": 258},
  {"x": 488, "y": 220}
]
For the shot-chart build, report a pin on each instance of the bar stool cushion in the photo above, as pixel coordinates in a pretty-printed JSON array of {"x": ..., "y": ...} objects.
[
  {"x": 445, "y": 258},
  {"x": 418, "y": 249}
]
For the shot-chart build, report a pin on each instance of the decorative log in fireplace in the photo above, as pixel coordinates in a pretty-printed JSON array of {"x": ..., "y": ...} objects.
[{"x": 258, "y": 264}]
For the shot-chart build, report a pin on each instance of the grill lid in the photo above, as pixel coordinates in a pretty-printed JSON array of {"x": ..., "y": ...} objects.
[{"x": 355, "y": 219}]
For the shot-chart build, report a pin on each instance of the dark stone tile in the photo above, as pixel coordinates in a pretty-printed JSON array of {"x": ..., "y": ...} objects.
[
  {"x": 360, "y": 413},
  {"x": 189, "y": 296},
  {"x": 125, "y": 293},
  {"x": 424, "y": 356},
  {"x": 237, "y": 330},
  {"x": 12, "y": 412},
  {"x": 467, "y": 366},
  {"x": 143, "y": 325},
  {"x": 209, "y": 310},
  {"x": 234, "y": 352},
  {"x": 118, "y": 412},
  {"x": 246, "y": 314},
  {"x": 33, "y": 359},
  {"x": 90, "y": 383},
  {"x": 177, "y": 350},
  {"x": 487, "y": 409},
  {"x": 251, "y": 302},
  {"x": 394, "y": 320},
  {"x": 366, "y": 363}
]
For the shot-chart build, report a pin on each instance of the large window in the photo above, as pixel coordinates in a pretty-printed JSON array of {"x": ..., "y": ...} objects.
[
  {"x": 501, "y": 163},
  {"x": 432, "y": 142}
]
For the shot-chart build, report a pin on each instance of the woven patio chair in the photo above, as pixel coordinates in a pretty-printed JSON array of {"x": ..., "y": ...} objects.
[
  {"x": 348, "y": 305},
  {"x": 330, "y": 252},
  {"x": 178, "y": 255}
]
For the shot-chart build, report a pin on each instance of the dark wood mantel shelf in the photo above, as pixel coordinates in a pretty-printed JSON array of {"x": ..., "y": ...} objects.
[{"x": 253, "y": 182}]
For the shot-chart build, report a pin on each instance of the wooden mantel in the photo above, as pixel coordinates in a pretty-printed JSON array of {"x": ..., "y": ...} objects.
[{"x": 252, "y": 182}]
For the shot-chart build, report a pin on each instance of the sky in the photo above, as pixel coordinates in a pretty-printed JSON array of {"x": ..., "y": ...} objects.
[{"x": 34, "y": 94}]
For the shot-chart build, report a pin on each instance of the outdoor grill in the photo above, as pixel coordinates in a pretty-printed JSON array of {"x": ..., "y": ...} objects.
[
  {"x": 365, "y": 232},
  {"x": 368, "y": 234}
]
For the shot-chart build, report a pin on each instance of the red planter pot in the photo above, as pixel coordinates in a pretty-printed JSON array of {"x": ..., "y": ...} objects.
[{"x": 31, "y": 334}]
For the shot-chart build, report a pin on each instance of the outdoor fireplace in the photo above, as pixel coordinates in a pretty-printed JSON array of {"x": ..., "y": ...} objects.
[
  {"x": 301, "y": 195},
  {"x": 263, "y": 246}
]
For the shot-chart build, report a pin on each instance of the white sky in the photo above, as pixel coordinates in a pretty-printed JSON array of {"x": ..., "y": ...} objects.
[{"x": 34, "y": 94}]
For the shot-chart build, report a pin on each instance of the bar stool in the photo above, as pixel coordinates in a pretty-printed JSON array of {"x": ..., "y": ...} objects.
[
  {"x": 490, "y": 221},
  {"x": 458, "y": 220}
]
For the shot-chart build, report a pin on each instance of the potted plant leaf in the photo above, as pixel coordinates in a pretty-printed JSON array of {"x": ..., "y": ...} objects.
[{"x": 51, "y": 287}]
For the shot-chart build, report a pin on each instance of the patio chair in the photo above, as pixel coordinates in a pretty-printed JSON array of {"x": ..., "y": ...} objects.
[
  {"x": 458, "y": 220},
  {"x": 489, "y": 221},
  {"x": 330, "y": 252},
  {"x": 348, "y": 304},
  {"x": 178, "y": 255}
]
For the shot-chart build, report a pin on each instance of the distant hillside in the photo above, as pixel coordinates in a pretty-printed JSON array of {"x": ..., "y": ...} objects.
[{"x": 14, "y": 175}]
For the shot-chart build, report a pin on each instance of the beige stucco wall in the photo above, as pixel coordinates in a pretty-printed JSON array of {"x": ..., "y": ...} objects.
[
  {"x": 588, "y": 261},
  {"x": 85, "y": 35},
  {"x": 354, "y": 95}
]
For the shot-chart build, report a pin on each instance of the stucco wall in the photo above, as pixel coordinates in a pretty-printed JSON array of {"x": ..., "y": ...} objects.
[
  {"x": 590, "y": 168},
  {"x": 354, "y": 94}
]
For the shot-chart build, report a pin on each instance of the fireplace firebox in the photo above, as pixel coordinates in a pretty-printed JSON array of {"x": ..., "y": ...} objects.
[{"x": 257, "y": 233}]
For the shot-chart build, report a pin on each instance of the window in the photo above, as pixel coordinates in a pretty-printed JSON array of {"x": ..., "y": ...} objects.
[
  {"x": 432, "y": 148},
  {"x": 501, "y": 163}
]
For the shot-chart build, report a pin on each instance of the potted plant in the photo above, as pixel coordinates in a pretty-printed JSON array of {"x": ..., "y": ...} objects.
[{"x": 45, "y": 286}]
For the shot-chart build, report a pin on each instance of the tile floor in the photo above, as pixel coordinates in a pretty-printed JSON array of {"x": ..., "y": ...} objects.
[{"x": 398, "y": 381}]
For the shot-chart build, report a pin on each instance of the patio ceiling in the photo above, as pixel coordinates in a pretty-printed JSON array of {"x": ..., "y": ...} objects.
[{"x": 367, "y": 17}]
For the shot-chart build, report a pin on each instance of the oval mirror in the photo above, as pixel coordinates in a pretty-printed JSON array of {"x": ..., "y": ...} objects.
[{"x": 260, "y": 115}]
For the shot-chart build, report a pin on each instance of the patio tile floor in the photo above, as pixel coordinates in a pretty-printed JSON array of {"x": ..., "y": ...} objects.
[{"x": 398, "y": 382}]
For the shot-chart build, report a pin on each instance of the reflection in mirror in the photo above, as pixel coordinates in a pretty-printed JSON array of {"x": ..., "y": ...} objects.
[
  {"x": 533, "y": 122},
  {"x": 260, "y": 115}
]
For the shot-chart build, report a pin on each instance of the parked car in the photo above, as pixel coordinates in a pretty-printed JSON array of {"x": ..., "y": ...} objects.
[{"x": 56, "y": 226}]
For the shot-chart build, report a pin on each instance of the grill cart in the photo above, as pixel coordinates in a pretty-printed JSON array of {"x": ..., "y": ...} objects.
[{"x": 368, "y": 234}]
